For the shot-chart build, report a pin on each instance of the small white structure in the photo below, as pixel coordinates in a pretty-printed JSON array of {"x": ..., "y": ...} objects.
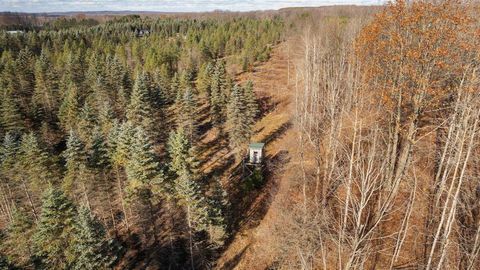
[
  {"x": 15, "y": 32},
  {"x": 255, "y": 153}
]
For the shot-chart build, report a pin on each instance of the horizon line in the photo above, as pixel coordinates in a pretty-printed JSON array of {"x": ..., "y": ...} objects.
[{"x": 188, "y": 12}]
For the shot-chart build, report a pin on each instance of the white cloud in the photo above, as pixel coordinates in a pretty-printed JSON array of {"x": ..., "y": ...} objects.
[{"x": 165, "y": 5}]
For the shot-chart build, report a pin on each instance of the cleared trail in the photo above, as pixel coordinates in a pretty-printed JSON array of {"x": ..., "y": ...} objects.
[{"x": 275, "y": 89}]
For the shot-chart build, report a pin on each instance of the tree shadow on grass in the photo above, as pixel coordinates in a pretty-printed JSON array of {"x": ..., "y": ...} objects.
[
  {"x": 230, "y": 264},
  {"x": 277, "y": 133},
  {"x": 265, "y": 106}
]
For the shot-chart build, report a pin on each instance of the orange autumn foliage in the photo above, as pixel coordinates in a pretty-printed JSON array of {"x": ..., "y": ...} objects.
[{"x": 414, "y": 52}]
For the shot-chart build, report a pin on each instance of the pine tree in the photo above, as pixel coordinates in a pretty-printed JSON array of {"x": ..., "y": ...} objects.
[
  {"x": 90, "y": 246},
  {"x": 54, "y": 232},
  {"x": 238, "y": 123},
  {"x": 18, "y": 238}
]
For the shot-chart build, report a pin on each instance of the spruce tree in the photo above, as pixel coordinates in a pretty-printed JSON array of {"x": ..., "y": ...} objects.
[
  {"x": 174, "y": 88},
  {"x": 69, "y": 109},
  {"x": 187, "y": 114},
  {"x": 120, "y": 139},
  {"x": 140, "y": 111},
  {"x": 115, "y": 74},
  {"x": 101, "y": 93},
  {"x": 25, "y": 76},
  {"x": 142, "y": 168},
  {"x": 87, "y": 120},
  {"x": 250, "y": 103},
  {"x": 118, "y": 81},
  {"x": 184, "y": 82},
  {"x": 45, "y": 96},
  {"x": 10, "y": 116},
  {"x": 8, "y": 156},
  {"x": 144, "y": 178},
  {"x": 8, "y": 78},
  {"x": 76, "y": 175},
  {"x": 99, "y": 164},
  {"x": 106, "y": 118},
  {"x": 18, "y": 238},
  {"x": 54, "y": 232},
  {"x": 162, "y": 79},
  {"x": 186, "y": 185},
  {"x": 191, "y": 71},
  {"x": 8, "y": 159},
  {"x": 239, "y": 126},
  {"x": 189, "y": 194},
  {"x": 34, "y": 164},
  {"x": 183, "y": 156},
  {"x": 119, "y": 144},
  {"x": 219, "y": 208},
  {"x": 121, "y": 103},
  {"x": 218, "y": 91},
  {"x": 204, "y": 78},
  {"x": 90, "y": 246},
  {"x": 96, "y": 69},
  {"x": 98, "y": 152}
]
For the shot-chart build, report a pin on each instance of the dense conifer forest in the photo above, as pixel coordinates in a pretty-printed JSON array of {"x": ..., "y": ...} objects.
[
  {"x": 124, "y": 139},
  {"x": 100, "y": 126}
]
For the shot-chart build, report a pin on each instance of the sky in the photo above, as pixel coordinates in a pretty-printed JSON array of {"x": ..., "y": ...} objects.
[{"x": 165, "y": 5}]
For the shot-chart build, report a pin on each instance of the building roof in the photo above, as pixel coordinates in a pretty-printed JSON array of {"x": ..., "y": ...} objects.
[{"x": 257, "y": 145}]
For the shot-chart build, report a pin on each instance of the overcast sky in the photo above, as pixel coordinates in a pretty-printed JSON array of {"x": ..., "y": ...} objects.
[{"x": 165, "y": 5}]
